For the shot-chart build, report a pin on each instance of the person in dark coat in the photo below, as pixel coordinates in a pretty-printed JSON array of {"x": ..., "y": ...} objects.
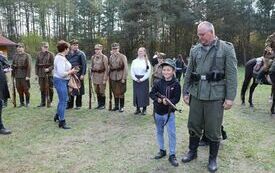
[
  {"x": 78, "y": 60},
  {"x": 3, "y": 90}
]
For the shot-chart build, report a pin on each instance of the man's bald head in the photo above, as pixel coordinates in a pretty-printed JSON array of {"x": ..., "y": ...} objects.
[{"x": 206, "y": 32}]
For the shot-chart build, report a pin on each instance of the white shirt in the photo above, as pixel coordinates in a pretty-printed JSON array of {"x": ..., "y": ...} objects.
[
  {"x": 138, "y": 67},
  {"x": 61, "y": 67}
]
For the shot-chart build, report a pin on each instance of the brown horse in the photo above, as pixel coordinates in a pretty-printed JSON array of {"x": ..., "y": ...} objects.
[{"x": 249, "y": 74}]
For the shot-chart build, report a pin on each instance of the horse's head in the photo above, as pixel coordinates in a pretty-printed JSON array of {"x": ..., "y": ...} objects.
[{"x": 269, "y": 53}]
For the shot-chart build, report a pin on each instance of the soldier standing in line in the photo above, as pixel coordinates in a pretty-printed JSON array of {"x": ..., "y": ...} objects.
[
  {"x": 43, "y": 69},
  {"x": 118, "y": 75},
  {"x": 210, "y": 87},
  {"x": 99, "y": 75},
  {"x": 21, "y": 65},
  {"x": 78, "y": 60}
]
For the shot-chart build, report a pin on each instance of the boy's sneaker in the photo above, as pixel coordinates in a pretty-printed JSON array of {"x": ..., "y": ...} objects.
[
  {"x": 161, "y": 154},
  {"x": 173, "y": 160}
]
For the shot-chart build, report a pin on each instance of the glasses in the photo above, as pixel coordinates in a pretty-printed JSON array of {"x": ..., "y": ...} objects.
[
  {"x": 97, "y": 49},
  {"x": 46, "y": 46}
]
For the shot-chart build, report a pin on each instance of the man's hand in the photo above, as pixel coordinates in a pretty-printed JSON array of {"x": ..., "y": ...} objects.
[
  {"x": 81, "y": 77},
  {"x": 122, "y": 81},
  {"x": 46, "y": 70},
  {"x": 27, "y": 78},
  {"x": 159, "y": 100},
  {"x": 186, "y": 99},
  {"x": 164, "y": 101},
  {"x": 227, "y": 104}
]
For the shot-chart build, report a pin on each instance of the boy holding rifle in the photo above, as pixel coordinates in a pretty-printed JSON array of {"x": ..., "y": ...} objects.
[{"x": 166, "y": 90}]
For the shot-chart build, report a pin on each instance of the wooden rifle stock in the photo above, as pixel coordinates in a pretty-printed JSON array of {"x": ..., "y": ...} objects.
[
  {"x": 13, "y": 91},
  {"x": 47, "y": 91},
  {"x": 110, "y": 95},
  {"x": 90, "y": 89}
]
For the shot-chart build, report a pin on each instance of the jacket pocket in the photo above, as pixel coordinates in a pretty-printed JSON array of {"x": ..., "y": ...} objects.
[{"x": 217, "y": 90}]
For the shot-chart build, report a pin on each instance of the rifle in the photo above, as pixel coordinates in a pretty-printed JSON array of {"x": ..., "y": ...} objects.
[
  {"x": 168, "y": 101},
  {"x": 110, "y": 95},
  {"x": 13, "y": 91},
  {"x": 47, "y": 91},
  {"x": 90, "y": 89},
  {"x": 170, "y": 104}
]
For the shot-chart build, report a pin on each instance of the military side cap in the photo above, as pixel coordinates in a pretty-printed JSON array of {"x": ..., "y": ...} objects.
[
  {"x": 98, "y": 46},
  {"x": 20, "y": 45},
  {"x": 169, "y": 62},
  {"x": 161, "y": 55},
  {"x": 44, "y": 44},
  {"x": 74, "y": 41},
  {"x": 115, "y": 45}
]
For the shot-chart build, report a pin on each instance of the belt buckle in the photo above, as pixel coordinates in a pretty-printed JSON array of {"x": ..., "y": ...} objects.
[{"x": 203, "y": 77}]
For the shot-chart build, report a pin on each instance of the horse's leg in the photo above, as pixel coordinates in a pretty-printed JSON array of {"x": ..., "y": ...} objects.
[{"x": 251, "y": 91}]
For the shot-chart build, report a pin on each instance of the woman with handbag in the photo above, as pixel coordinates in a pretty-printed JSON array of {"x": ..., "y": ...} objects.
[{"x": 62, "y": 71}]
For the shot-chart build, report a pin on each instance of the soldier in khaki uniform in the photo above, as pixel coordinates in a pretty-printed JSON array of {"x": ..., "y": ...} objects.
[
  {"x": 210, "y": 87},
  {"x": 118, "y": 75},
  {"x": 99, "y": 75},
  {"x": 43, "y": 69},
  {"x": 21, "y": 65}
]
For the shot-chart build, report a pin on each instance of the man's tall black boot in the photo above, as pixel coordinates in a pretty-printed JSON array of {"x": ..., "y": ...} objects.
[
  {"x": 116, "y": 105},
  {"x": 21, "y": 98},
  {"x": 98, "y": 102},
  {"x": 3, "y": 130},
  {"x": 213, "y": 153},
  {"x": 27, "y": 101},
  {"x": 193, "y": 147},
  {"x": 43, "y": 100},
  {"x": 121, "y": 104},
  {"x": 103, "y": 102}
]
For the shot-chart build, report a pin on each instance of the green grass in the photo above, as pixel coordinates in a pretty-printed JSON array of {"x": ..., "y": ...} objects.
[{"x": 103, "y": 141}]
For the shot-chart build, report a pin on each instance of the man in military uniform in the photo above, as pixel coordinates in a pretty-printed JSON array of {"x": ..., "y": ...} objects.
[
  {"x": 268, "y": 55},
  {"x": 21, "y": 65},
  {"x": 43, "y": 69},
  {"x": 78, "y": 60},
  {"x": 118, "y": 75},
  {"x": 99, "y": 75},
  {"x": 210, "y": 87}
]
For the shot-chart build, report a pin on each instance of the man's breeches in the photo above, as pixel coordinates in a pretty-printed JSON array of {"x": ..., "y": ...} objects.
[
  {"x": 22, "y": 86},
  {"x": 100, "y": 89}
]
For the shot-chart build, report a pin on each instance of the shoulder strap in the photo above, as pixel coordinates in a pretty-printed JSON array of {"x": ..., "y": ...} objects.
[{"x": 214, "y": 63}]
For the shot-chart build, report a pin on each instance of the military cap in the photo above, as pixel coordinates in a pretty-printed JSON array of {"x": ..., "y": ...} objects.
[
  {"x": 20, "y": 45},
  {"x": 44, "y": 44},
  {"x": 98, "y": 46},
  {"x": 161, "y": 55},
  {"x": 115, "y": 45},
  {"x": 73, "y": 41},
  {"x": 169, "y": 62}
]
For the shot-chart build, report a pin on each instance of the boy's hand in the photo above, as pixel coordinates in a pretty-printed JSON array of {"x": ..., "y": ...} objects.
[
  {"x": 159, "y": 100},
  {"x": 164, "y": 101}
]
